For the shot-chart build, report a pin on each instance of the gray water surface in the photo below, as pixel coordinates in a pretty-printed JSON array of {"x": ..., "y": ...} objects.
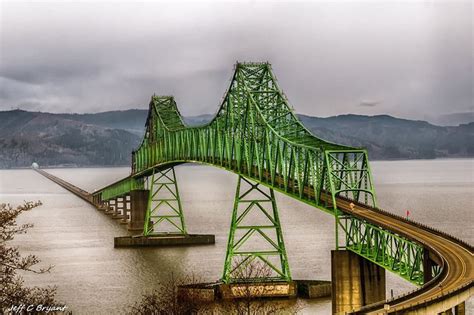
[{"x": 94, "y": 278}]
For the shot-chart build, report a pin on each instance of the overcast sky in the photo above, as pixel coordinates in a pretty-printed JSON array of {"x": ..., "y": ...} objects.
[{"x": 410, "y": 59}]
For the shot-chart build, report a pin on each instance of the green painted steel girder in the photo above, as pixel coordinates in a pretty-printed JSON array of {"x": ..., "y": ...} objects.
[
  {"x": 120, "y": 188},
  {"x": 256, "y": 134},
  {"x": 388, "y": 250}
]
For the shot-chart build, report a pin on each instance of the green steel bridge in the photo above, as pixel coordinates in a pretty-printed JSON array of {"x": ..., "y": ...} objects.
[{"x": 256, "y": 135}]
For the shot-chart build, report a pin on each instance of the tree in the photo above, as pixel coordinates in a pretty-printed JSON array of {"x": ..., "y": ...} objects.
[
  {"x": 168, "y": 299},
  {"x": 252, "y": 293},
  {"x": 13, "y": 291}
]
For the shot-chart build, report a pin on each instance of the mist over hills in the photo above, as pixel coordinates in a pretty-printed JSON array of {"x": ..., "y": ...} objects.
[{"x": 107, "y": 138}]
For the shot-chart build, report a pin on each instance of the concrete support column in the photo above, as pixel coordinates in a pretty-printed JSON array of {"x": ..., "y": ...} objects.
[
  {"x": 126, "y": 209},
  {"x": 103, "y": 206},
  {"x": 427, "y": 265},
  {"x": 120, "y": 205},
  {"x": 108, "y": 205},
  {"x": 460, "y": 309},
  {"x": 112, "y": 205},
  {"x": 355, "y": 281},
  {"x": 139, "y": 204},
  {"x": 99, "y": 203}
]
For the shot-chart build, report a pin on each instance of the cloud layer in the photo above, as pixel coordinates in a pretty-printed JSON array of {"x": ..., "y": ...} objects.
[{"x": 413, "y": 58}]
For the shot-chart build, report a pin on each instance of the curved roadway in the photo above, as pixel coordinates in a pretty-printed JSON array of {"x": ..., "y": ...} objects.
[{"x": 458, "y": 259}]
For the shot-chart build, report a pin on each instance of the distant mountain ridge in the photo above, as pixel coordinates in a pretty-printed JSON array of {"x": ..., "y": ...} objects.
[
  {"x": 107, "y": 138},
  {"x": 57, "y": 140},
  {"x": 387, "y": 137}
]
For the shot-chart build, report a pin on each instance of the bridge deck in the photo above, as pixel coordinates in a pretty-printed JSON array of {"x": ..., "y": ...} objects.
[
  {"x": 81, "y": 193},
  {"x": 458, "y": 259}
]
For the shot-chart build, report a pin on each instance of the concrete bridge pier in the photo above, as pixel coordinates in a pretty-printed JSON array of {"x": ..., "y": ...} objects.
[
  {"x": 459, "y": 309},
  {"x": 126, "y": 209},
  {"x": 428, "y": 264},
  {"x": 120, "y": 205},
  {"x": 112, "y": 205},
  {"x": 96, "y": 200},
  {"x": 100, "y": 204},
  {"x": 139, "y": 204},
  {"x": 355, "y": 281}
]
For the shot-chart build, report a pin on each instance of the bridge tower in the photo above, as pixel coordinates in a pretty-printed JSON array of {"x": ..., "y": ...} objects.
[
  {"x": 255, "y": 249},
  {"x": 164, "y": 213}
]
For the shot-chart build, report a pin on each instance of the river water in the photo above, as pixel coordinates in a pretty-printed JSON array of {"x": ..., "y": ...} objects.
[{"x": 94, "y": 278}]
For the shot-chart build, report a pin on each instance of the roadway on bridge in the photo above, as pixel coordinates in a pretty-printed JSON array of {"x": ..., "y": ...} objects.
[{"x": 458, "y": 258}]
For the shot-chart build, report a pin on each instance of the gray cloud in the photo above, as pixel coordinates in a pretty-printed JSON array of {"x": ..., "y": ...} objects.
[{"x": 95, "y": 56}]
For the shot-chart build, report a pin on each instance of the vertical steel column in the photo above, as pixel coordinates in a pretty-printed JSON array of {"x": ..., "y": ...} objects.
[
  {"x": 255, "y": 237},
  {"x": 164, "y": 213}
]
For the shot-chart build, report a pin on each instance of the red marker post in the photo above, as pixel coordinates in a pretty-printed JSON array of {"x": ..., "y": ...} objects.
[{"x": 408, "y": 213}]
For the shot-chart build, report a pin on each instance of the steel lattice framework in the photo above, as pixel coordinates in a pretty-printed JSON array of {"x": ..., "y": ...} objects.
[
  {"x": 251, "y": 198},
  {"x": 164, "y": 212},
  {"x": 256, "y": 135}
]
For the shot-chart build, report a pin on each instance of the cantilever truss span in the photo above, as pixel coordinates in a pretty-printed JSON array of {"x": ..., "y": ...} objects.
[{"x": 256, "y": 134}]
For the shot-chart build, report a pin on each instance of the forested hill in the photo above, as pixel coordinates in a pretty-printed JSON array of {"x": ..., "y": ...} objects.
[
  {"x": 108, "y": 138},
  {"x": 387, "y": 137}
]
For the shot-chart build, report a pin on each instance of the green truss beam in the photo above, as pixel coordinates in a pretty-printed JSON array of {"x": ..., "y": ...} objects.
[
  {"x": 121, "y": 188},
  {"x": 256, "y": 135},
  {"x": 388, "y": 250}
]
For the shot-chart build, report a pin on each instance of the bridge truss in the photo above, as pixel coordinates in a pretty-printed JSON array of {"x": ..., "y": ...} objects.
[{"x": 256, "y": 135}]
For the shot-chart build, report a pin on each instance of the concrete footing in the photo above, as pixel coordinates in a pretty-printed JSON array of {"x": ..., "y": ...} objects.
[
  {"x": 208, "y": 292},
  {"x": 257, "y": 290},
  {"x": 165, "y": 240},
  {"x": 201, "y": 292},
  {"x": 313, "y": 289},
  {"x": 355, "y": 281}
]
